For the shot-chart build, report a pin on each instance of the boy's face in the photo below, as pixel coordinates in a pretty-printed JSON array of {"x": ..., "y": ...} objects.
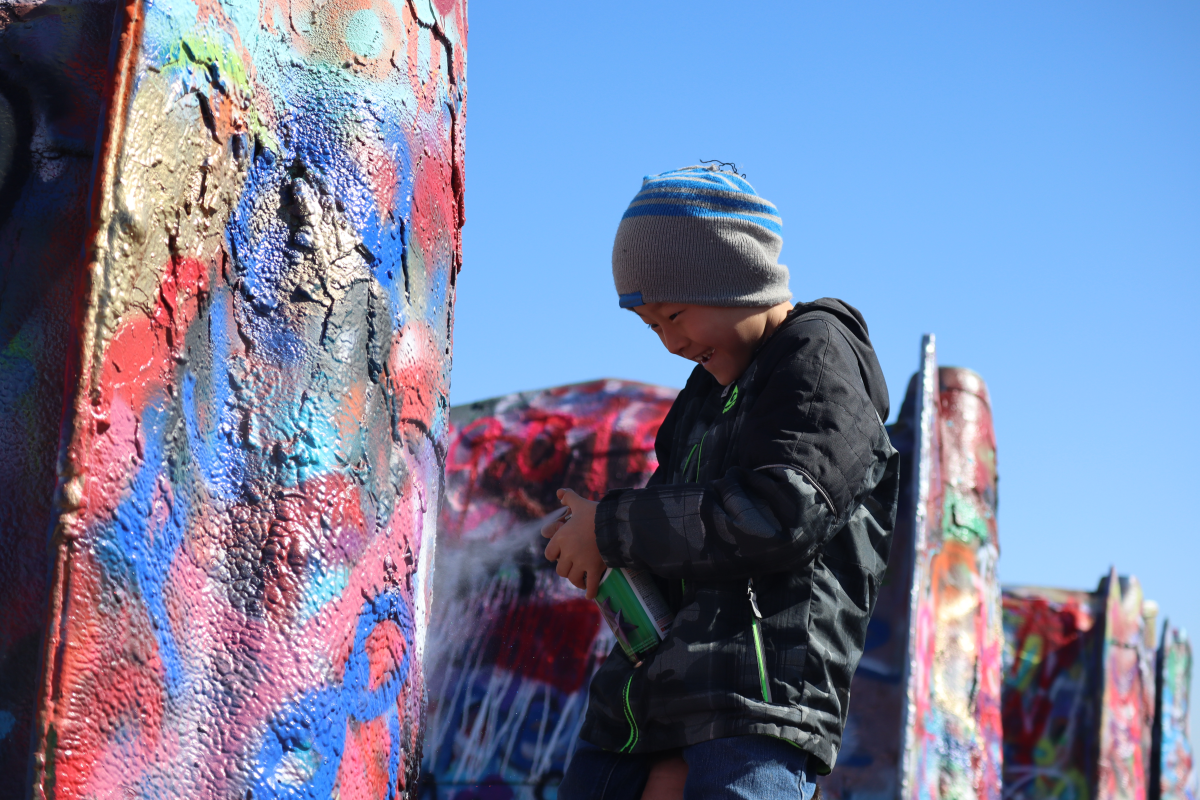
[{"x": 722, "y": 339}]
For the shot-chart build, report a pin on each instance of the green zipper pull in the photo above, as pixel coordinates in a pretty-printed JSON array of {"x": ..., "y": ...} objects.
[
  {"x": 753, "y": 599},
  {"x": 759, "y": 649}
]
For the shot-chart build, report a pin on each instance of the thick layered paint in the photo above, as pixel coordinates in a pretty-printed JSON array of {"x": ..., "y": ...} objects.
[
  {"x": 514, "y": 646},
  {"x": 1174, "y": 767},
  {"x": 953, "y": 735},
  {"x": 1051, "y": 692},
  {"x": 53, "y": 68},
  {"x": 256, "y": 412}
]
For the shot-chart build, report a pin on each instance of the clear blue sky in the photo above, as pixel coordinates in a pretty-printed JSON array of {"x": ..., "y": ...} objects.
[{"x": 1021, "y": 179}]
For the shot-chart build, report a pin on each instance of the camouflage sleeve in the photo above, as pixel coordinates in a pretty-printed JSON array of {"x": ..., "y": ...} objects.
[{"x": 744, "y": 524}]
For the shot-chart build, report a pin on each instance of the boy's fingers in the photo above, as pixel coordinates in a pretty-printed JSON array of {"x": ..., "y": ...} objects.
[
  {"x": 568, "y": 498},
  {"x": 564, "y": 568},
  {"x": 578, "y": 578},
  {"x": 593, "y": 582},
  {"x": 552, "y": 527},
  {"x": 553, "y": 549}
]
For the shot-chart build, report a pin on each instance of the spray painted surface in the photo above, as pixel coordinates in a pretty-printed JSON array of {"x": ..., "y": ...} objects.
[
  {"x": 53, "y": 60},
  {"x": 1051, "y": 702},
  {"x": 1174, "y": 768},
  {"x": 1127, "y": 702},
  {"x": 952, "y": 732},
  {"x": 515, "y": 646},
  {"x": 256, "y": 412},
  {"x": 1079, "y": 693}
]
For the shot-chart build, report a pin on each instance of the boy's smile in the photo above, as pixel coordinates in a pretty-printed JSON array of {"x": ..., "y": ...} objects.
[{"x": 721, "y": 339}]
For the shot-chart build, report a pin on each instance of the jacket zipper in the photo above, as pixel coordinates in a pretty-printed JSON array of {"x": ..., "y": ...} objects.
[
  {"x": 697, "y": 451},
  {"x": 756, "y": 632},
  {"x": 688, "y": 460},
  {"x": 633, "y": 728}
]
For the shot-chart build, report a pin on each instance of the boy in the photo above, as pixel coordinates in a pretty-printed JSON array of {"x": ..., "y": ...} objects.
[{"x": 767, "y": 522}]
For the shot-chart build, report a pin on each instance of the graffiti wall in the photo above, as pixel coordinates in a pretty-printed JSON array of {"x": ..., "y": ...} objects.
[
  {"x": 255, "y": 411},
  {"x": 53, "y": 59},
  {"x": 952, "y": 734},
  {"x": 1051, "y": 703},
  {"x": 1079, "y": 696},
  {"x": 1127, "y": 704},
  {"x": 1173, "y": 769},
  {"x": 515, "y": 645}
]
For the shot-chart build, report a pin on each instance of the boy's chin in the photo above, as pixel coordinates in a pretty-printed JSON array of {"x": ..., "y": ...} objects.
[{"x": 722, "y": 375}]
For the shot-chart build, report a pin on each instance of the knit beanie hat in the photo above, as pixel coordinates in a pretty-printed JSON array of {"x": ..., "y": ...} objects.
[{"x": 699, "y": 235}]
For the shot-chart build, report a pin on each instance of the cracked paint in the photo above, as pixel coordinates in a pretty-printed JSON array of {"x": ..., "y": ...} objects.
[{"x": 256, "y": 408}]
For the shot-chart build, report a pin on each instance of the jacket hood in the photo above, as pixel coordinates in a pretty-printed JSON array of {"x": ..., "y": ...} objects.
[{"x": 851, "y": 323}]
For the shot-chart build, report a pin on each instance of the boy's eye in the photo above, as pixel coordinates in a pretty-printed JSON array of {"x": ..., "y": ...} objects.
[{"x": 673, "y": 316}]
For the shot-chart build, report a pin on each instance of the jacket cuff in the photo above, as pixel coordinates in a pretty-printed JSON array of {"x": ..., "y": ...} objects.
[{"x": 609, "y": 529}]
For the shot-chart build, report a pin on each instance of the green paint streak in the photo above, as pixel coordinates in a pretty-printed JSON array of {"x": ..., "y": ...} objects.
[
  {"x": 20, "y": 346},
  {"x": 207, "y": 51},
  {"x": 961, "y": 519}
]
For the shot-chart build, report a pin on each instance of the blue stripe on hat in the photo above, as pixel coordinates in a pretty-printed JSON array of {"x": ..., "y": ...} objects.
[
  {"x": 670, "y": 208},
  {"x": 630, "y": 300},
  {"x": 700, "y": 191},
  {"x": 703, "y": 192},
  {"x": 713, "y": 177},
  {"x": 664, "y": 210}
]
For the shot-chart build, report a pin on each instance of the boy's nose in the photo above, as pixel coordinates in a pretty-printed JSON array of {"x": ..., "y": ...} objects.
[{"x": 675, "y": 343}]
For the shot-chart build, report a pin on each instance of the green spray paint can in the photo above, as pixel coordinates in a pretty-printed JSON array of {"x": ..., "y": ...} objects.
[{"x": 635, "y": 609}]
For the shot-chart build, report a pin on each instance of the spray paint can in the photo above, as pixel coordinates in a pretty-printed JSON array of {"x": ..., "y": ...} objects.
[{"x": 635, "y": 609}]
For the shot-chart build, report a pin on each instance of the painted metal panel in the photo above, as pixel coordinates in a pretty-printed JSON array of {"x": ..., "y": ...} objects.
[
  {"x": 1052, "y": 692},
  {"x": 513, "y": 647},
  {"x": 953, "y": 729},
  {"x": 256, "y": 414},
  {"x": 1127, "y": 706},
  {"x": 1079, "y": 694},
  {"x": 1174, "y": 768}
]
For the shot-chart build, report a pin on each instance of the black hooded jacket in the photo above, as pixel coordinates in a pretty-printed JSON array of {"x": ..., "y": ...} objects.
[{"x": 768, "y": 523}]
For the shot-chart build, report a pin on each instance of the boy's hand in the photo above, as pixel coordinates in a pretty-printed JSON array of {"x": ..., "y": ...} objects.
[{"x": 573, "y": 543}]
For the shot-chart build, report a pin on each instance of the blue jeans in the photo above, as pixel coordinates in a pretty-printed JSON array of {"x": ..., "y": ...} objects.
[{"x": 734, "y": 768}]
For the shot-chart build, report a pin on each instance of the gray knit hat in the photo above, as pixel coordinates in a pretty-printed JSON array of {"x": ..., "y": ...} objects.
[{"x": 699, "y": 235}]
